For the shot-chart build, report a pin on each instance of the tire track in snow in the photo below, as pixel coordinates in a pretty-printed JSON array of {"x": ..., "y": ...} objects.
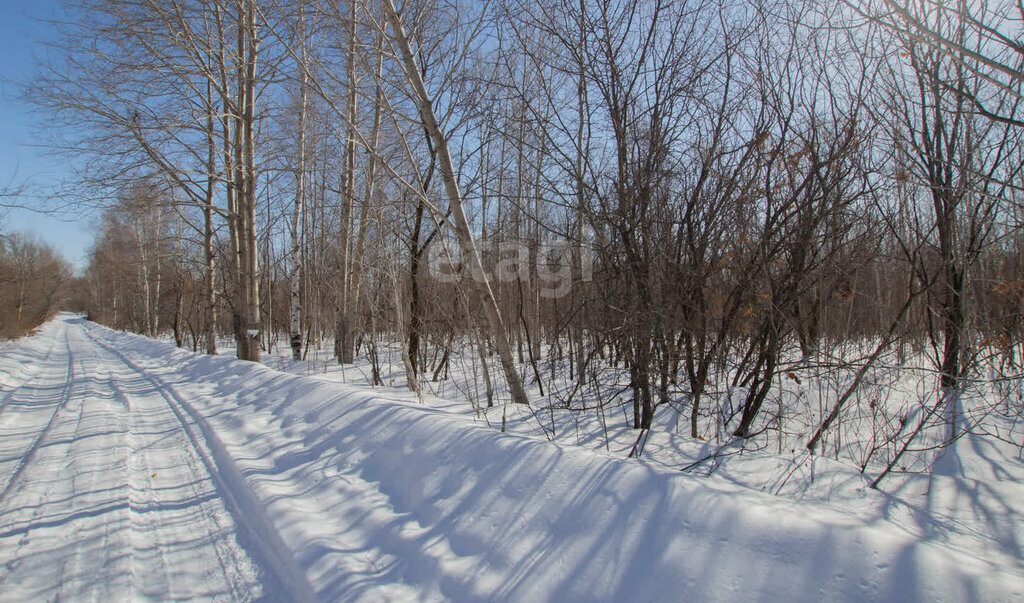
[
  {"x": 62, "y": 486},
  {"x": 76, "y": 525},
  {"x": 15, "y": 382},
  {"x": 61, "y": 403},
  {"x": 283, "y": 579},
  {"x": 176, "y": 459},
  {"x": 104, "y": 565}
]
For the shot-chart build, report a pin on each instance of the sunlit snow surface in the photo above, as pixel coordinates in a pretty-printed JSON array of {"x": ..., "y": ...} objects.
[{"x": 131, "y": 470}]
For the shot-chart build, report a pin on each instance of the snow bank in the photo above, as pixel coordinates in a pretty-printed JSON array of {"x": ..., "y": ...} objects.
[{"x": 377, "y": 499}]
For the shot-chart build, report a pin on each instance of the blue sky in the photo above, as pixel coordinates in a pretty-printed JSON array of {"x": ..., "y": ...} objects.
[{"x": 21, "y": 159}]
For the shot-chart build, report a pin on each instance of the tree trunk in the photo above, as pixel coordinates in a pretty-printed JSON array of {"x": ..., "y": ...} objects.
[
  {"x": 415, "y": 320},
  {"x": 344, "y": 337},
  {"x": 156, "y": 260},
  {"x": 295, "y": 305},
  {"x": 370, "y": 178},
  {"x": 245, "y": 171},
  {"x": 210, "y": 297},
  {"x": 462, "y": 229}
]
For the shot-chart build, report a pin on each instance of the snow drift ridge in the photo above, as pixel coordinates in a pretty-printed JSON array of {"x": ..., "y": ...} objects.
[{"x": 377, "y": 499}]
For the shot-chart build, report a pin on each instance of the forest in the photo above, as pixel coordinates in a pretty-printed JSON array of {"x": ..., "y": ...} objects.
[{"x": 673, "y": 212}]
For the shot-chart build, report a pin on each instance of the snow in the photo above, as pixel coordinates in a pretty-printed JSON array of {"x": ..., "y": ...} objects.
[{"x": 132, "y": 470}]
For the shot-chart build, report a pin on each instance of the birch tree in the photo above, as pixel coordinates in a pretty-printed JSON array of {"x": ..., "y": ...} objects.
[
  {"x": 463, "y": 232},
  {"x": 298, "y": 210}
]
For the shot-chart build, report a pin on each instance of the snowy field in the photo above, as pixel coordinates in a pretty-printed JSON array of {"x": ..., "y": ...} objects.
[{"x": 130, "y": 470}]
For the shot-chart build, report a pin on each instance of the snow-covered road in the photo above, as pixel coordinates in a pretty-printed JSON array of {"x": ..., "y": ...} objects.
[
  {"x": 131, "y": 470},
  {"x": 109, "y": 494}
]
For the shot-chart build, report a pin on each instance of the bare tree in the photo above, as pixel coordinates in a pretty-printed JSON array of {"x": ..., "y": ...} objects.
[
  {"x": 978, "y": 40},
  {"x": 958, "y": 165},
  {"x": 461, "y": 223},
  {"x": 34, "y": 279},
  {"x": 170, "y": 92},
  {"x": 298, "y": 210}
]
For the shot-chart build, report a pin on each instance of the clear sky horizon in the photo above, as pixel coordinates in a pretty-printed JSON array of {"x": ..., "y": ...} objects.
[{"x": 23, "y": 161}]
